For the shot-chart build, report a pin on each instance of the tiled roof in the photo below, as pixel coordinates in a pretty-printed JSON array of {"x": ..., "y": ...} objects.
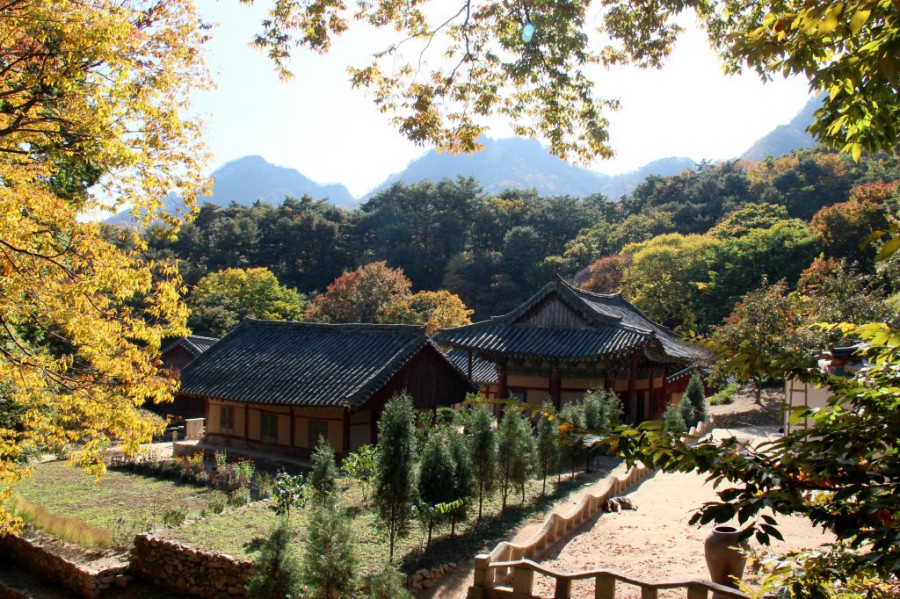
[
  {"x": 302, "y": 364},
  {"x": 483, "y": 371},
  {"x": 195, "y": 344},
  {"x": 612, "y": 326}
]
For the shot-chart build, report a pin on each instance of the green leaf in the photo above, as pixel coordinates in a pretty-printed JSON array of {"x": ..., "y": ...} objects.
[
  {"x": 888, "y": 249},
  {"x": 858, "y": 20}
]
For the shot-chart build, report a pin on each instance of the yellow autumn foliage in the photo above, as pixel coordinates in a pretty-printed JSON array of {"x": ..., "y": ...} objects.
[{"x": 92, "y": 102}]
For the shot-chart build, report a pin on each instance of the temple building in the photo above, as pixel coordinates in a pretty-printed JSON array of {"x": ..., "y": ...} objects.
[{"x": 564, "y": 341}]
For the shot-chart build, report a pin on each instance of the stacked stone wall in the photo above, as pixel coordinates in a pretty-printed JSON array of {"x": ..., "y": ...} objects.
[
  {"x": 79, "y": 580},
  {"x": 183, "y": 569}
]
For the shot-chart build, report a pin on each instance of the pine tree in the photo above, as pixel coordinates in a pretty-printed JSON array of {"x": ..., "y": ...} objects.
[
  {"x": 695, "y": 397},
  {"x": 396, "y": 488},
  {"x": 436, "y": 472},
  {"x": 324, "y": 474},
  {"x": 277, "y": 570},
  {"x": 515, "y": 454},
  {"x": 673, "y": 421},
  {"x": 547, "y": 449},
  {"x": 571, "y": 447},
  {"x": 483, "y": 450},
  {"x": 463, "y": 481},
  {"x": 328, "y": 563}
]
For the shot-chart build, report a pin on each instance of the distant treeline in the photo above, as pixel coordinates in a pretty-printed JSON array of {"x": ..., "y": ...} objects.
[{"x": 684, "y": 248}]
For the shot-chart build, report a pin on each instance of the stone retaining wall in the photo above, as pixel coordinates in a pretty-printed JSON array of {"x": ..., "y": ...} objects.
[
  {"x": 183, "y": 569},
  {"x": 81, "y": 581}
]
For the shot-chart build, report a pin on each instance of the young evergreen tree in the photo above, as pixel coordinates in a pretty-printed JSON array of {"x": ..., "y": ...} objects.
[
  {"x": 593, "y": 411},
  {"x": 324, "y": 474},
  {"x": 389, "y": 583},
  {"x": 277, "y": 570},
  {"x": 328, "y": 564},
  {"x": 526, "y": 464},
  {"x": 611, "y": 406},
  {"x": 396, "y": 487},
  {"x": 696, "y": 399},
  {"x": 515, "y": 454},
  {"x": 547, "y": 449},
  {"x": 463, "y": 481},
  {"x": 483, "y": 451},
  {"x": 570, "y": 442},
  {"x": 436, "y": 473},
  {"x": 673, "y": 420}
]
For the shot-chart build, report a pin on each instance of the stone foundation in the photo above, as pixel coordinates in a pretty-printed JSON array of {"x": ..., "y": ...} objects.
[
  {"x": 82, "y": 581},
  {"x": 186, "y": 570}
]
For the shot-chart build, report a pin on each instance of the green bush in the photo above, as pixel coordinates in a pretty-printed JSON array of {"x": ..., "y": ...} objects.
[
  {"x": 328, "y": 562},
  {"x": 324, "y": 474},
  {"x": 389, "y": 583},
  {"x": 174, "y": 516},
  {"x": 724, "y": 397},
  {"x": 239, "y": 497},
  {"x": 217, "y": 503},
  {"x": 264, "y": 484},
  {"x": 673, "y": 421}
]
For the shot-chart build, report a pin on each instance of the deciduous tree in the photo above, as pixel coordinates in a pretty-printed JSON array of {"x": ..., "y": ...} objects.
[
  {"x": 92, "y": 116},
  {"x": 362, "y": 295},
  {"x": 432, "y": 309}
]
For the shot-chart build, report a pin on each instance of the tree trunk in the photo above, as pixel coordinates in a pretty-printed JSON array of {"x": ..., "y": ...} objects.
[{"x": 758, "y": 386}]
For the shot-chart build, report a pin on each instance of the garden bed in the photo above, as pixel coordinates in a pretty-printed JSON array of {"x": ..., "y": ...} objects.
[{"x": 241, "y": 533}]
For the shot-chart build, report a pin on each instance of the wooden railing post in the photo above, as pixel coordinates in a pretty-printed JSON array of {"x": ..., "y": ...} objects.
[
  {"x": 563, "y": 589},
  {"x": 523, "y": 579},
  {"x": 481, "y": 570},
  {"x": 695, "y": 592},
  {"x": 605, "y": 588},
  {"x": 649, "y": 593}
]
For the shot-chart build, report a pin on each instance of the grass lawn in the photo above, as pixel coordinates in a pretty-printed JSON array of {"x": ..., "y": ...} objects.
[
  {"x": 240, "y": 533},
  {"x": 122, "y": 503}
]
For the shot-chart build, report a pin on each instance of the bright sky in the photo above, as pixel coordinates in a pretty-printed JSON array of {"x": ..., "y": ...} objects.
[{"x": 319, "y": 125}]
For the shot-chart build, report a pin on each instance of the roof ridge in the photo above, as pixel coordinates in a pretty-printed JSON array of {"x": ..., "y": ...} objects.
[{"x": 409, "y": 329}]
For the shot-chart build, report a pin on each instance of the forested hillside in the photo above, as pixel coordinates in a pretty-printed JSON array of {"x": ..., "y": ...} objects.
[{"x": 684, "y": 248}]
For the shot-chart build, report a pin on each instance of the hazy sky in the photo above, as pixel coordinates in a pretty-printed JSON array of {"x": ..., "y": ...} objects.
[{"x": 331, "y": 133}]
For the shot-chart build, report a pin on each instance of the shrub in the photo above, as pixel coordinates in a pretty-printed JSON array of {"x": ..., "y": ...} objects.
[
  {"x": 673, "y": 421},
  {"x": 547, "y": 448},
  {"x": 724, "y": 397},
  {"x": 435, "y": 477},
  {"x": 216, "y": 504},
  {"x": 264, "y": 485},
  {"x": 696, "y": 401},
  {"x": 362, "y": 466},
  {"x": 277, "y": 570},
  {"x": 239, "y": 497},
  {"x": 243, "y": 473},
  {"x": 463, "y": 482},
  {"x": 174, "y": 516},
  {"x": 328, "y": 562},
  {"x": 202, "y": 478},
  {"x": 389, "y": 583},
  {"x": 289, "y": 492}
]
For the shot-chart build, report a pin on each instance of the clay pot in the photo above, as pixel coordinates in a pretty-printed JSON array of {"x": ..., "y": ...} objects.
[{"x": 725, "y": 556}]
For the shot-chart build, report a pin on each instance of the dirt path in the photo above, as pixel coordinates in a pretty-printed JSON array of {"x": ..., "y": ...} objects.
[{"x": 655, "y": 541}]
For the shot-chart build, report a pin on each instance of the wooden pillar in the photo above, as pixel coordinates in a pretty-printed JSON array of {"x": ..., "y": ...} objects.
[
  {"x": 665, "y": 389},
  {"x": 293, "y": 424},
  {"x": 555, "y": 389},
  {"x": 246, "y": 421},
  {"x": 470, "y": 364},
  {"x": 631, "y": 409},
  {"x": 346, "y": 431}
]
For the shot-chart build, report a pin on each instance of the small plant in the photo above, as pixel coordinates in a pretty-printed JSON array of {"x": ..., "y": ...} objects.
[
  {"x": 216, "y": 504},
  {"x": 724, "y": 397},
  {"x": 243, "y": 473},
  {"x": 362, "y": 466},
  {"x": 290, "y": 491},
  {"x": 277, "y": 570},
  {"x": 264, "y": 485},
  {"x": 174, "y": 516},
  {"x": 239, "y": 497}
]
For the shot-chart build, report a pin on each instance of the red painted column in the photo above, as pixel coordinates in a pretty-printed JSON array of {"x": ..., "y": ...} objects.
[
  {"x": 665, "y": 389},
  {"x": 502, "y": 389}
]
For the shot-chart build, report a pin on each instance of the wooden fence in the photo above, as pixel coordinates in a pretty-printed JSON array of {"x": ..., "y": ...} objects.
[{"x": 494, "y": 569}]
